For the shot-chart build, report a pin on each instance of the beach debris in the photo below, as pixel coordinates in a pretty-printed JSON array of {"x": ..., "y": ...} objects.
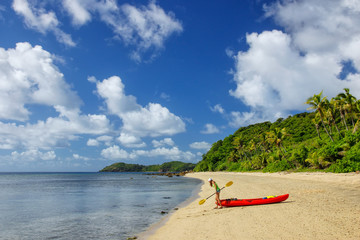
[
  {"x": 132, "y": 238},
  {"x": 163, "y": 212}
]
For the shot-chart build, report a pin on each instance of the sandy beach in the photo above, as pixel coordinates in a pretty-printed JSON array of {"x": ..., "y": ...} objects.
[{"x": 320, "y": 206}]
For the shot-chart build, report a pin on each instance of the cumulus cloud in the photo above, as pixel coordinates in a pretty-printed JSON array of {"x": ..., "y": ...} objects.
[
  {"x": 129, "y": 140},
  {"x": 92, "y": 142},
  {"x": 107, "y": 140},
  {"x": 210, "y": 129},
  {"x": 28, "y": 76},
  {"x": 54, "y": 132},
  {"x": 78, "y": 157},
  {"x": 201, "y": 145},
  {"x": 152, "y": 120},
  {"x": 33, "y": 155},
  {"x": 174, "y": 154},
  {"x": 114, "y": 152},
  {"x": 37, "y": 18},
  {"x": 163, "y": 142},
  {"x": 145, "y": 27},
  {"x": 280, "y": 70}
]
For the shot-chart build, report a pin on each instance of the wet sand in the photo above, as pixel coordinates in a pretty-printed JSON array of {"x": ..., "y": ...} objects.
[{"x": 320, "y": 206}]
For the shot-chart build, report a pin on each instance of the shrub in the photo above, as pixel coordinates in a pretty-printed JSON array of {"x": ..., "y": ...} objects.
[{"x": 278, "y": 166}]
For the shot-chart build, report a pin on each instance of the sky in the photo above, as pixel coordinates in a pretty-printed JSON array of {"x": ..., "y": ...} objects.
[{"x": 87, "y": 83}]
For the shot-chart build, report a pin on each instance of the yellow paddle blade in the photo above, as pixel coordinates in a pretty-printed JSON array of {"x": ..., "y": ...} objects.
[
  {"x": 229, "y": 184},
  {"x": 202, "y": 201}
]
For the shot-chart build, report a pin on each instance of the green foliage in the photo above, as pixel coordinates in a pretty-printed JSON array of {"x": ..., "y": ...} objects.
[
  {"x": 174, "y": 166},
  {"x": 327, "y": 138},
  {"x": 123, "y": 167},
  {"x": 278, "y": 166}
]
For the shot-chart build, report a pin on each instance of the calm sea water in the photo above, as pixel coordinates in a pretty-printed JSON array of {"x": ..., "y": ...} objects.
[{"x": 86, "y": 205}]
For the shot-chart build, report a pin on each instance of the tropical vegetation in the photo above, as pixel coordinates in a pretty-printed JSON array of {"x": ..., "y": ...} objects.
[{"x": 326, "y": 139}]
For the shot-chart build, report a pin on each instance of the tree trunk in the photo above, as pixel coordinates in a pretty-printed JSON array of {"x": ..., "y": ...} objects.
[
  {"x": 326, "y": 130},
  {"x": 336, "y": 125},
  {"x": 357, "y": 125},
  {"x": 343, "y": 119},
  {"x": 317, "y": 130}
]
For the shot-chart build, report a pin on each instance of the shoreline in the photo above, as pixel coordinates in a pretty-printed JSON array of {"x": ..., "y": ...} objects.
[
  {"x": 320, "y": 206},
  {"x": 162, "y": 222}
]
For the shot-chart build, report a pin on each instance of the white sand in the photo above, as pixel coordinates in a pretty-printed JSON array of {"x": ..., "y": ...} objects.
[{"x": 320, "y": 206}]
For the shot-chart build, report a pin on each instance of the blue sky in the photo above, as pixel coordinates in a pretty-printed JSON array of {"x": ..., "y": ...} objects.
[{"x": 87, "y": 83}]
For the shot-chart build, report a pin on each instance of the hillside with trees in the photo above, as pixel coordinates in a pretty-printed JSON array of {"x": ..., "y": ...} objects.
[
  {"x": 174, "y": 166},
  {"x": 326, "y": 139}
]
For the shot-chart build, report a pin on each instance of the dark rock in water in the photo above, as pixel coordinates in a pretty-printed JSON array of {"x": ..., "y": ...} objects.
[
  {"x": 166, "y": 197},
  {"x": 170, "y": 174},
  {"x": 163, "y": 212},
  {"x": 132, "y": 238}
]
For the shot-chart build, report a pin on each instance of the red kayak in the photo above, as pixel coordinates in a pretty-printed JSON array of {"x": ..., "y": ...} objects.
[{"x": 234, "y": 202}]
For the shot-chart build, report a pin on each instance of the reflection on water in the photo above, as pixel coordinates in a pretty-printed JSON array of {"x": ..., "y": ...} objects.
[{"x": 85, "y": 205}]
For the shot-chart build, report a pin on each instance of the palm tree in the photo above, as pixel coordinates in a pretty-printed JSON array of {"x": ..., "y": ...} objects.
[
  {"x": 331, "y": 112},
  {"x": 276, "y": 137},
  {"x": 339, "y": 104},
  {"x": 357, "y": 124},
  {"x": 318, "y": 103},
  {"x": 316, "y": 120},
  {"x": 240, "y": 147},
  {"x": 350, "y": 101},
  {"x": 263, "y": 143}
]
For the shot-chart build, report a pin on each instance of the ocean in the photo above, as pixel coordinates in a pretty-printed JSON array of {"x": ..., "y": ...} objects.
[{"x": 86, "y": 205}]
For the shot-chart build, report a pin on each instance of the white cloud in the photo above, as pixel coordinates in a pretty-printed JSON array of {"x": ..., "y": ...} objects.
[
  {"x": 92, "y": 142},
  {"x": 239, "y": 119},
  {"x": 80, "y": 15},
  {"x": 145, "y": 27},
  {"x": 201, "y": 145},
  {"x": 163, "y": 142},
  {"x": 210, "y": 129},
  {"x": 152, "y": 120},
  {"x": 281, "y": 70},
  {"x": 114, "y": 152},
  {"x": 29, "y": 76},
  {"x": 173, "y": 154},
  {"x": 129, "y": 140},
  {"x": 78, "y": 157},
  {"x": 41, "y": 20},
  {"x": 54, "y": 132},
  {"x": 218, "y": 108},
  {"x": 107, "y": 140},
  {"x": 33, "y": 155}
]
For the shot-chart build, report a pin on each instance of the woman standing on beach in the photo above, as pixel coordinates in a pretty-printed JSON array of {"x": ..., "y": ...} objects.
[{"x": 217, "y": 189}]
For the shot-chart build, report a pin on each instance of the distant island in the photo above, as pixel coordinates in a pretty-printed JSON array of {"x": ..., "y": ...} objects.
[{"x": 174, "y": 166}]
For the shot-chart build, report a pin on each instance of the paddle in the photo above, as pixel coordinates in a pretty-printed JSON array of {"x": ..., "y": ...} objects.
[{"x": 204, "y": 200}]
